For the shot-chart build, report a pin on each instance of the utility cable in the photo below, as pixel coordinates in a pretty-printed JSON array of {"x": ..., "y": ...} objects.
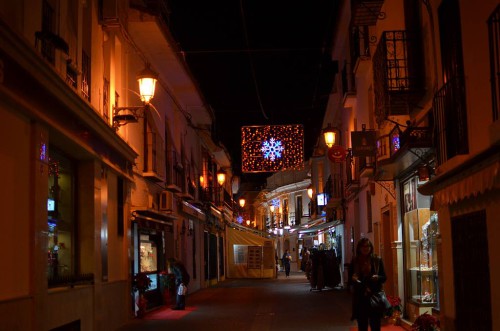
[{"x": 251, "y": 61}]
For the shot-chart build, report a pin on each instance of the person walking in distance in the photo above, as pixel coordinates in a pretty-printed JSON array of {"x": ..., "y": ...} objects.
[
  {"x": 305, "y": 258},
  {"x": 287, "y": 258},
  {"x": 366, "y": 276}
]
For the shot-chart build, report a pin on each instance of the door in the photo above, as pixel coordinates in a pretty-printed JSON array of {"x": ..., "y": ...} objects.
[{"x": 471, "y": 272}]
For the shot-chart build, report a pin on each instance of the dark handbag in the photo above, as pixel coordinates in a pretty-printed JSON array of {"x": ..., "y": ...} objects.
[{"x": 379, "y": 302}]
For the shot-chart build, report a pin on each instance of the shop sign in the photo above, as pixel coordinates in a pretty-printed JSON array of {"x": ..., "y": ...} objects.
[
  {"x": 364, "y": 143},
  {"x": 337, "y": 154}
]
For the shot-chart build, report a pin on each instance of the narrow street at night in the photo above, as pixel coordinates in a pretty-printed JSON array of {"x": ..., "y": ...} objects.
[
  {"x": 183, "y": 165},
  {"x": 255, "y": 304}
]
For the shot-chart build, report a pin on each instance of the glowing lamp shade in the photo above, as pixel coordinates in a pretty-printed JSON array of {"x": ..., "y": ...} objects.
[
  {"x": 147, "y": 81},
  {"x": 242, "y": 202},
  {"x": 310, "y": 192},
  {"x": 271, "y": 208},
  {"x": 221, "y": 177},
  {"x": 329, "y": 134}
]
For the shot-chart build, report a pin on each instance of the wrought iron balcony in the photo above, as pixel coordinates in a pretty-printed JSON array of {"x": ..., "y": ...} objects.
[
  {"x": 348, "y": 85},
  {"x": 400, "y": 150},
  {"x": 451, "y": 120},
  {"x": 398, "y": 74},
  {"x": 175, "y": 172},
  {"x": 360, "y": 47},
  {"x": 366, "y": 12},
  {"x": 352, "y": 172},
  {"x": 154, "y": 158},
  {"x": 366, "y": 166},
  {"x": 217, "y": 196}
]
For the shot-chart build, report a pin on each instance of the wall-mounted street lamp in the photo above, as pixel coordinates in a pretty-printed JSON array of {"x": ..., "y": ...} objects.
[
  {"x": 221, "y": 177},
  {"x": 147, "y": 82},
  {"x": 330, "y": 134},
  {"x": 310, "y": 191},
  {"x": 242, "y": 202}
]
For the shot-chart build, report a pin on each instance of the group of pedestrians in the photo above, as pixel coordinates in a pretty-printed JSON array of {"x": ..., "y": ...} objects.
[{"x": 366, "y": 277}]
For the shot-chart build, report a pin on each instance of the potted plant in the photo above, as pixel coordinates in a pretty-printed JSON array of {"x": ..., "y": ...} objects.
[
  {"x": 141, "y": 284},
  {"x": 425, "y": 322},
  {"x": 394, "y": 313},
  {"x": 167, "y": 286}
]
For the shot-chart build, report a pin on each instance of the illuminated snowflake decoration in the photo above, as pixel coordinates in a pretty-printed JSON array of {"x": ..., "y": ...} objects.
[
  {"x": 272, "y": 149},
  {"x": 239, "y": 219}
]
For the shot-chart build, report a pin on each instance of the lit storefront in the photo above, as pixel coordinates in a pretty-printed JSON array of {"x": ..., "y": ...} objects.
[
  {"x": 61, "y": 220},
  {"x": 420, "y": 229},
  {"x": 152, "y": 233}
]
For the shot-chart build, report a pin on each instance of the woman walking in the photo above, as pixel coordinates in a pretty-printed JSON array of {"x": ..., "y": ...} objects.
[{"x": 366, "y": 276}]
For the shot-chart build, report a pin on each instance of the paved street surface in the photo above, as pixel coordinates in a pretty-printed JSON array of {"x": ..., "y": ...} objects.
[{"x": 255, "y": 305}]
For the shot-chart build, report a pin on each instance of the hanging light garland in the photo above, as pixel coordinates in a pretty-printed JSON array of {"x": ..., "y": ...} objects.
[{"x": 272, "y": 148}]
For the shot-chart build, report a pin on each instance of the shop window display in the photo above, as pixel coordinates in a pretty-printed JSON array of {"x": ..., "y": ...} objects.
[
  {"x": 60, "y": 221},
  {"x": 421, "y": 229},
  {"x": 149, "y": 259}
]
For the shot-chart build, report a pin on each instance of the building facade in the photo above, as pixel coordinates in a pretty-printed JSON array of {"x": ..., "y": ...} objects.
[
  {"x": 102, "y": 182},
  {"x": 414, "y": 104}
]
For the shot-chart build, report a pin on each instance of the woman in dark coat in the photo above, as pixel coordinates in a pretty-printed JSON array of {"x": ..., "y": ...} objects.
[{"x": 366, "y": 276}]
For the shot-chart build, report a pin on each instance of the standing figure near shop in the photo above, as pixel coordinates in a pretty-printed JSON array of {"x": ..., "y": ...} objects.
[
  {"x": 305, "y": 258},
  {"x": 182, "y": 279},
  {"x": 181, "y": 296},
  {"x": 287, "y": 258},
  {"x": 366, "y": 276}
]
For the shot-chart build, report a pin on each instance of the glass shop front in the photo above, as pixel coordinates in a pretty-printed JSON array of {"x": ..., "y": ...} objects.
[{"x": 420, "y": 231}]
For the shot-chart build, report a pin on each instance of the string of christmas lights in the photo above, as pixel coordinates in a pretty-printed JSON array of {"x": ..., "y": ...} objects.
[{"x": 272, "y": 148}]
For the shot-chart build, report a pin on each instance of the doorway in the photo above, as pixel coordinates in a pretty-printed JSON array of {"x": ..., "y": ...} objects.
[
  {"x": 471, "y": 272},
  {"x": 386, "y": 252}
]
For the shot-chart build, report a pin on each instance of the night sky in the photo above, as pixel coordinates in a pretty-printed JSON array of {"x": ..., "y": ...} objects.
[{"x": 259, "y": 62}]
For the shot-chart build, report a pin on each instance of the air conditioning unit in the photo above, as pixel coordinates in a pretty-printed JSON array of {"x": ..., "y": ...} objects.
[{"x": 166, "y": 201}]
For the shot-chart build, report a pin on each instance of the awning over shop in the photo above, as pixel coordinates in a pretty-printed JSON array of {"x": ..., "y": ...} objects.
[
  {"x": 249, "y": 255},
  {"x": 152, "y": 218},
  {"x": 193, "y": 211},
  {"x": 472, "y": 178},
  {"x": 318, "y": 229},
  {"x": 216, "y": 213}
]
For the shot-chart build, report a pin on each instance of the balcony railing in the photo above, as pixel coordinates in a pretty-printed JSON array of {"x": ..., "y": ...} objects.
[
  {"x": 218, "y": 196},
  {"x": 175, "y": 172},
  {"x": 398, "y": 150},
  {"x": 154, "y": 157},
  {"x": 397, "y": 74},
  {"x": 366, "y": 166},
  {"x": 494, "y": 41},
  {"x": 352, "y": 172},
  {"x": 348, "y": 81},
  {"x": 451, "y": 120},
  {"x": 366, "y": 12},
  {"x": 360, "y": 43}
]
